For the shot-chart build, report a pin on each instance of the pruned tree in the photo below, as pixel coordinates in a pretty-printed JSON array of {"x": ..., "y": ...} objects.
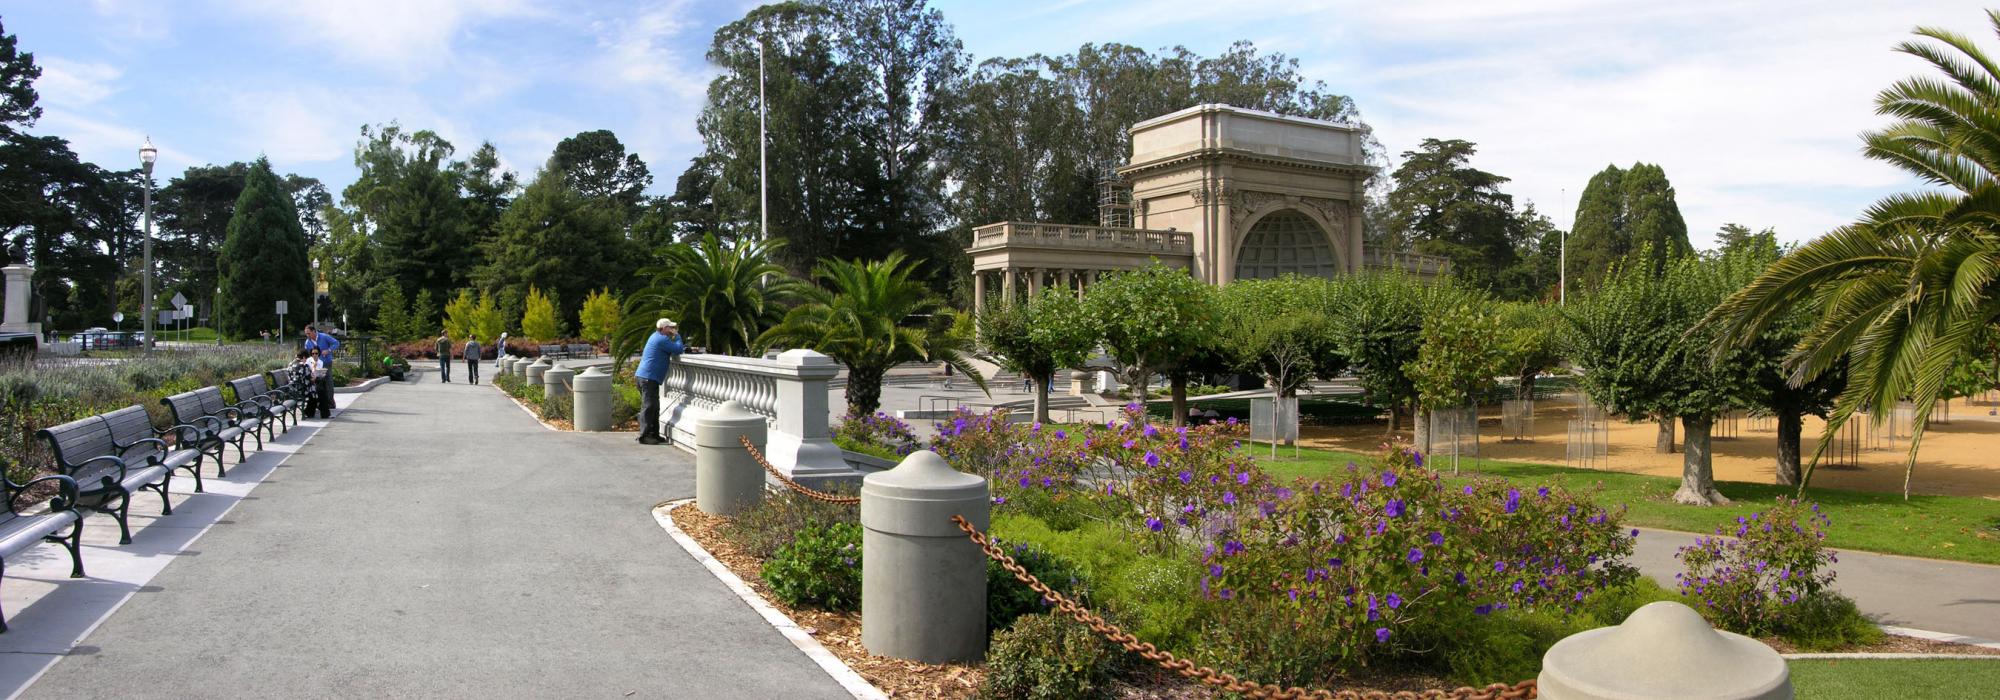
[
  {"x": 1048, "y": 333},
  {"x": 1153, "y": 319}
]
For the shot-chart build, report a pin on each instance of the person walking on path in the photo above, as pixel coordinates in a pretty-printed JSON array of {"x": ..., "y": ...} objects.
[
  {"x": 472, "y": 360},
  {"x": 322, "y": 347},
  {"x": 653, "y": 365},
  {"x": 444, "y": 355}
]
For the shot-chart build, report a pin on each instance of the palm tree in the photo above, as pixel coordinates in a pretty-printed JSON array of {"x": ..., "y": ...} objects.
[
  {"x": 1902, "y": 293},
  {"x": 722, "y": 296},
  {"x": 871, "y": 316}
]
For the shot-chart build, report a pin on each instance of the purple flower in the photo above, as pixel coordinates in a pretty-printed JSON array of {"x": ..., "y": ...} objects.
[
  {"x": 1128, "y": 444},
  {"x": 1334, "y": 562},
  {"x": 1542, "y": 492},
  {"x": 1293, "y": 594},
  {"x": 1388, "y": 479},
  {"x": 1483, "y": 610},
  {"x": 1468, "y": 490},
  {"x": 1635, "y": 532},
  {"x": 1215, "y": 569},
  {"x": 1155, "y": 525},
  {"x": 1060, "y": 435},
  {"x": 1395, "y": 601},
  {"x": 1394, "y": 508},
  {"x": 1152, "y": 431},
  {"x": 999, "y": 500},
  {"x": 1243, "y": 478},
  {"x": 1382, "y": 635},
  {"x": 1513, "y": 500},
  {"x": 1152, "y": 460},
  {"x": 1437, "y": 539},
  {"x": 1229, "y": 498},
  {"x": 1025, "y": 482},
  {"x": 1418, "y": 457},
  {"x": 1458, "y": 578},
  {"x": 1416, "y": 555},
  {"x": 1187, "y": 477},
  {"x": 1499, "y": 566}
]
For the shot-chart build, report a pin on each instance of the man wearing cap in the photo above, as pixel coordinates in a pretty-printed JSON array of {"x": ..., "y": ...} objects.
[{"x": 661, "y": 348}]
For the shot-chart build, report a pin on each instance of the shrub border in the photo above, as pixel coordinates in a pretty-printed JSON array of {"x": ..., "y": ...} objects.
[{"x": 839, "y": 670}]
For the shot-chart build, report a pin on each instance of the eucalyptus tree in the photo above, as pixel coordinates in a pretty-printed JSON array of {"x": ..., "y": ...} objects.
[{"x": 1902, "y": 295}]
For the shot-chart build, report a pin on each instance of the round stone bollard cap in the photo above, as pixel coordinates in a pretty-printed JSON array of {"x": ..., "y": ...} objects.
[
  {"x": 1663, "y": 650},
  {"x": 726, "y": 426},
  {"x": 545, "y": 361},
  {"x": 593, "y": 378},
  {"x": 920, "y": 495}
]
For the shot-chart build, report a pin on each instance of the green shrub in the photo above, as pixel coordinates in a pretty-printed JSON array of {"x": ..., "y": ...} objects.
[
  {"x": 868, "y": 448},
  {"x": 1508, "y": 645},
  {"x": 1826, "y": 621},
  {"x": 1046, "y": 657},
  {"x": 1756, "y": 577},
  {"x": 1158, "y": 594},
  {"x": 775, "y": 521},
  {"x": 624, "y": 404},
  {"x": 559, "y": 408},
  {"x": 1007, "y": 598},
  {"x": 821, "y": 568}
]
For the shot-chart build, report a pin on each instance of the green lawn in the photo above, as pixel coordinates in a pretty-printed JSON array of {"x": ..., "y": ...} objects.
[
  {"x": 1896, "y": 678},
  {"x": 199, "y": 335},
  {"x": 1943, "y": 527}
]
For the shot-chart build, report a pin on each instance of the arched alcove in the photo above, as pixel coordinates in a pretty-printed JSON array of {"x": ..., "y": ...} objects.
[{"x": 1284, "y": 242}]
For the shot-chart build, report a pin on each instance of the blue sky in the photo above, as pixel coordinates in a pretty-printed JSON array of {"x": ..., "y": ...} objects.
[{"x": 1752, "y": 107}]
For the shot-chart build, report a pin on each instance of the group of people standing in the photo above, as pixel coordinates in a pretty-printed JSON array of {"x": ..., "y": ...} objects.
[
  {"x": 311, "y": 375},
  {"x": 470, "y": 352}
]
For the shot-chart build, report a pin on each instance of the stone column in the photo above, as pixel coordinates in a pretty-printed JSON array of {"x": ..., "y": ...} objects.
[
  {"x": 555, "y": 382},
  {"x": 537, "y": 370},
  {"x": 727, "y": 480},
  {"x": 801, "y": 437},
  {"x": 1663, "y": 650},
  {"x": 978, "y": 292},
  {"x": 20, "y": 286},
  {"x": 923, "y": 583},
  {"x": 1034, "y": 281},
  {"x": 592, "y": 410},
  {"x": 1007, "y": 285}
]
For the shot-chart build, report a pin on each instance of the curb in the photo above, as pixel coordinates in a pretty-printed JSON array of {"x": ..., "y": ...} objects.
[
  {"x": 524, "y": 408},
  {"x": 1941, "y": 637},
  {"x": 1890, "y": 656},
  {"x": 855, "y": 685},
  {"x": 362, "y": 387}
]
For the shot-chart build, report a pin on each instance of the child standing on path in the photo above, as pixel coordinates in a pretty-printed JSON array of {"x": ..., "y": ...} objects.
[
  {"x": 444, "y": 355},
  {"x": 472, "y": 360}
]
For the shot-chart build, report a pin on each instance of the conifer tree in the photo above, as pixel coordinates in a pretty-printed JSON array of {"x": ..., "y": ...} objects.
[{"x": 263, "y": 258}]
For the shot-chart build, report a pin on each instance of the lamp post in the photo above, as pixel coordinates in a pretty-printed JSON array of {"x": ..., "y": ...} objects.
[{"x": 147, "y": 154}]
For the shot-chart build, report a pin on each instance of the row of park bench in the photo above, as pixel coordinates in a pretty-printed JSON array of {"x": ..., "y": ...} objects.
[
  {"x": 573, "y": 351},
  {"x": 102, "y": 460}
]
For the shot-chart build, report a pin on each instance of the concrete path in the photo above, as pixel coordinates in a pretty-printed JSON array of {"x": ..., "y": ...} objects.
[
  {"x": 436, "y": 541},
  {"x": 1925, "y": 594}
]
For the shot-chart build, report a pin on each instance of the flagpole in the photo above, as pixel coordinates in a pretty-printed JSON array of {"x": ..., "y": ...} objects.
[{"x": 763, "y": 164}]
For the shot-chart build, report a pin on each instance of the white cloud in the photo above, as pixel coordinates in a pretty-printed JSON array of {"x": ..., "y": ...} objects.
[
  {"x": 111, "y": 145},
  {"x": 408, "y": 36},
  {"x": 75, "y": 83}
]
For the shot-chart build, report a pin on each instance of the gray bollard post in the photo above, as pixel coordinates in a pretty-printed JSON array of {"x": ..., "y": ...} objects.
[
  {"x": 535, "y": 370},
  {"x": 592, "y": 411},
  {"x": 555, "y": 382},
  {"x": 505, "y": 365},
  {"x": 1663, "y": 650},
  {"x": 727, "y": 480},
  {"x": 923, "y": 583}
]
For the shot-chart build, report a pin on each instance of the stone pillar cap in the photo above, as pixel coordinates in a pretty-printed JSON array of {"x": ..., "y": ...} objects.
[
  {"x": 925, "y": 476},
  {"x": 544, "y": 360},
  {"x": 595, "y": 371},
  {"x": 1663, "y": 650}
]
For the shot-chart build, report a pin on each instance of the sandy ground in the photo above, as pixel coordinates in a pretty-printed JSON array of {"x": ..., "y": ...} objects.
[{"x": 1960, "y": 458}]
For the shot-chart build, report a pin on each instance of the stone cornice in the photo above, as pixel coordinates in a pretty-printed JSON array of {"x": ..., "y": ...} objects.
[{"x": 1244, "y": 156}]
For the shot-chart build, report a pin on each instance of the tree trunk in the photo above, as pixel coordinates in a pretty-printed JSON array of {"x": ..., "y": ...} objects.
[
  {"x": 1042, "y": 398},
  {"x": 1698, "y": 466},
  {"x": 1395, "y": 421},
  {"x": 1664, "y": 444},
  {"x": 864, "y": 389},
  {"x": 1526, "y": 388},
  {"x": 1178, "y": 381},
  {"x": 1423, "y": 432},
  {"x": 1790, "y": 424}
]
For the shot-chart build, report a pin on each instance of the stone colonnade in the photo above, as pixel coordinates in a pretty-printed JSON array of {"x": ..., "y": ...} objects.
[{"x": 1023, "y": 283}]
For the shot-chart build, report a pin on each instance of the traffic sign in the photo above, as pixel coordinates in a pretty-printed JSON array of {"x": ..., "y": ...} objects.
[
  {"x": 118, "y": 317},
  {"x": 282, "y": 304},
  {"x": 179, "y": 301}
]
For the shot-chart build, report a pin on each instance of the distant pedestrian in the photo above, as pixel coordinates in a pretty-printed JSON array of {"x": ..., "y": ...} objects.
[
  {"x": 472, "y": 360},
  {"x": 322, "y": 346},
  {"x": 661, "y": 348},
  {"x": 444, "y": 355}
]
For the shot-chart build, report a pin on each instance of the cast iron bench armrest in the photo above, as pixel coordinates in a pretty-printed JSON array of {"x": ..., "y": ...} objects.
[
  {"x": 127, "y": 447},
  {"x": 114, "y": 459},
  {"x": 230, "y": 413},
  {"x": 65, "y": 498}
]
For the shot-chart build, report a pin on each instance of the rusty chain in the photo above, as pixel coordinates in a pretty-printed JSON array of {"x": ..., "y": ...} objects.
[
  {"x": 1212, "y": 677},
  {"x": 793, "y": 485}
]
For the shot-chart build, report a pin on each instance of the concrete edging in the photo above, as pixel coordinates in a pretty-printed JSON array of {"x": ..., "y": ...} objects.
[
  {"x": 855, "y": 685},
  {"x": 362, "y": 387},
  {"x": 1941, "y": 637}
]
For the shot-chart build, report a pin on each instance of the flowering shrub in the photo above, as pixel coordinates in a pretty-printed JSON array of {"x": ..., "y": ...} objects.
[
  {"x": 1387, "y": 558},
  {"x": 1014, "y": 457},
  {"x": 879, "y": 429},
  {"x": 821, "y": 568},
  {"x": 1749, "y": 578}
]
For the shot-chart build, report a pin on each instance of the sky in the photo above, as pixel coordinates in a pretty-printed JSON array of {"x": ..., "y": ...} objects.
[{"x": 1753, "y": 108}]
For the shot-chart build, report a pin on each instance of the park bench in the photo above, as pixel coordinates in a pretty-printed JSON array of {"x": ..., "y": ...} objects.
[
  {"x": 552, "y": 351},
  {"x": 255, "y": 393},
  {"x": 22, "y": 527},
  {"x": 220, "y": 423},
  {"x": 280, "y": 382},
  {"x": 133, "y": 433},
  {"x": 105, "y": 477},
  {"x": 582, "y": 351}
]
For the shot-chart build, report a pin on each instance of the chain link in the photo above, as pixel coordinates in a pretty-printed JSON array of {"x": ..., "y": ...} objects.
[
  {"x": 1212, "y": 677},
  {"x": 782, "y": 479}
]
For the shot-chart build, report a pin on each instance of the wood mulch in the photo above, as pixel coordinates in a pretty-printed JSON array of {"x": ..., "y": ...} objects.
[{"x": 1892, "y": 644}]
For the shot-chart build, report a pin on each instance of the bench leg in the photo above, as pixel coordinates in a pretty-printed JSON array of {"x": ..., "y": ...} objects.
[
  {"x": 166, "y": 503},
  {"x": 221, "y": 448},
  {"x": 122, "y": 512},
  {"x": 195, "y": 469},
  {"x": 239, "y": 448},
  {"x": 73, "y": 543},
  {"x": 259, "y": 436}
]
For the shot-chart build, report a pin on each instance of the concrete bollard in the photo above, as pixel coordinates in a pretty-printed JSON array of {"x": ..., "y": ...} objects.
[
  {"x": 1663, "y": 650},
  {"x": 506, "y": 364},
  {"x": 592, "y": 410},
  {"x": 923, "y": 584},
  {"x": 536, "y": 370},
  {"x": 555, "y": 382},
  {"x": 727, "y": 480}
]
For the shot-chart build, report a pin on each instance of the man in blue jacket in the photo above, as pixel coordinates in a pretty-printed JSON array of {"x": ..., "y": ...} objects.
[
  {"x": 322, "y": 346},
  {"x": 661, "y": 348}
]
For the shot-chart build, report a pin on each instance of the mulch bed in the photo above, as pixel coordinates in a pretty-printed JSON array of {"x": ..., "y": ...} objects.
[{"x": 840, "y": 633}]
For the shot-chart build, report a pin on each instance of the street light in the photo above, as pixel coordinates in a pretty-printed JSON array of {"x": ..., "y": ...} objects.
[{"x": 148, "y": 154}]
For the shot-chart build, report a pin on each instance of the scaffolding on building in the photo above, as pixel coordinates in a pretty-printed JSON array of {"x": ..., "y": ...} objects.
[{"x": 1114, "y": 201}]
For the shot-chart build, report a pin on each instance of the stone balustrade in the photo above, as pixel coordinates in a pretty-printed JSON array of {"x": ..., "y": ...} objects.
[
  {"x": 789, "y": 391},
  {"x": 1419, "y": 264},
  {"x": 1016, "y": 233}
]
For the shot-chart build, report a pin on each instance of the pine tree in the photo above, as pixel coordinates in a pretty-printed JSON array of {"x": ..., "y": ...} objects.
[
  {"x": 392, "y": 316},
  {"x": 558, "y": 241},
  {"x": 1623, "y": 211},
  {"x": 538, "y": 321},
  {"x": 263, "y": 258}
]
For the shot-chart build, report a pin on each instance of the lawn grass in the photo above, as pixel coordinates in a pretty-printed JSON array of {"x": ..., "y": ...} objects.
[
  {"x": 1895, "y": 678},
  {"x": 1959, "y": 528}
]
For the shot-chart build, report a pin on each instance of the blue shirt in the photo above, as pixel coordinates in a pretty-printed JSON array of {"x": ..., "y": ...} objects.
[
  {"x": 660, "y": 352},
  {"x": 324, "y": 343}
]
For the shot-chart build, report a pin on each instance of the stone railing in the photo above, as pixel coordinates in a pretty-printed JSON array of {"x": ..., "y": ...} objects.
[
  {"x": 1414, "y": 263},
  {"x": 789, "y": 391},
  {"x": 1015, "y": 233}
]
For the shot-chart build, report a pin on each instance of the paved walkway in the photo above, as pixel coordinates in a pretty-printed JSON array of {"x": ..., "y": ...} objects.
[
  {"x": 435, "y": 541},
  {"x": 1925, "y": 594}
]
